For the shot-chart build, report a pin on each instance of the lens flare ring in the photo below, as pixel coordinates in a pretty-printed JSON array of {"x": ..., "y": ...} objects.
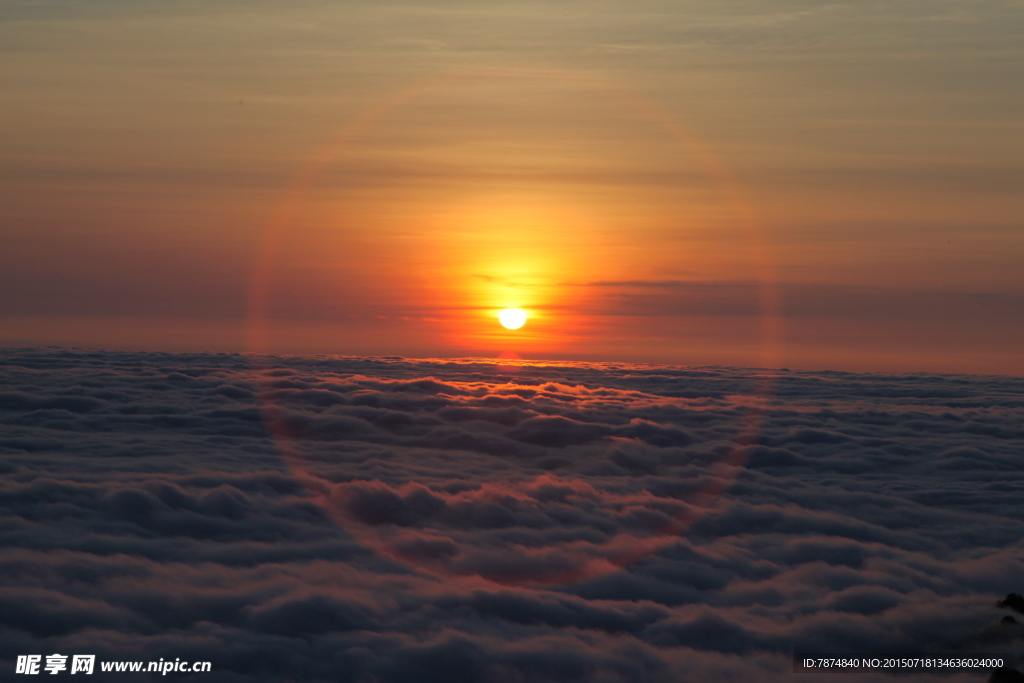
[{"x": 589, "y": 561}]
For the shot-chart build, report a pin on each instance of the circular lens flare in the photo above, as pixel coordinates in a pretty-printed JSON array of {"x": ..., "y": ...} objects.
[
  {"x": 512, "y": 318},
  {"x": 610, "y": 555}
]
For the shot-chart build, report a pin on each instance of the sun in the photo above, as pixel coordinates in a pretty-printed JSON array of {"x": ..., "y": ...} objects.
[{"x": 512, "y": 318}]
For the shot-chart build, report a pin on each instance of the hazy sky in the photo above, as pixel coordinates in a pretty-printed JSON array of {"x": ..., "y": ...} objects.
[{"x": 791, "y": 183}]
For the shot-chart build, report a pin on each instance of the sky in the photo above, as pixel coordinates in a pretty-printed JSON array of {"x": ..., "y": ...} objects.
[
  {"x": 462, "y": 521},
  {"x": 768, "y": 184}
]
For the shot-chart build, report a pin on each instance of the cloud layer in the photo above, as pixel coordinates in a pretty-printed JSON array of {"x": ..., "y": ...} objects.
[{"x": 383, "y": 519}]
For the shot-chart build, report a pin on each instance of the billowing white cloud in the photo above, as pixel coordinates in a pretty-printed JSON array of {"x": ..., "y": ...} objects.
[{"x": 376, "y": 519}]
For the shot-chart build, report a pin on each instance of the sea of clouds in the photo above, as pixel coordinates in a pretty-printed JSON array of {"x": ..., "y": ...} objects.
[{"x": 393, "y": 520}]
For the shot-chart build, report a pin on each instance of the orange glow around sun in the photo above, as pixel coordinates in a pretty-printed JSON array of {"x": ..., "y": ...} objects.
[
  {"x": 539, "y": 241},
  {"x": 511, "y": 256}
]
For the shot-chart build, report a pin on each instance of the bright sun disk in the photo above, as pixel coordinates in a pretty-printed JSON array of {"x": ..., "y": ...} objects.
[{"x": 512, "y": 318}]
